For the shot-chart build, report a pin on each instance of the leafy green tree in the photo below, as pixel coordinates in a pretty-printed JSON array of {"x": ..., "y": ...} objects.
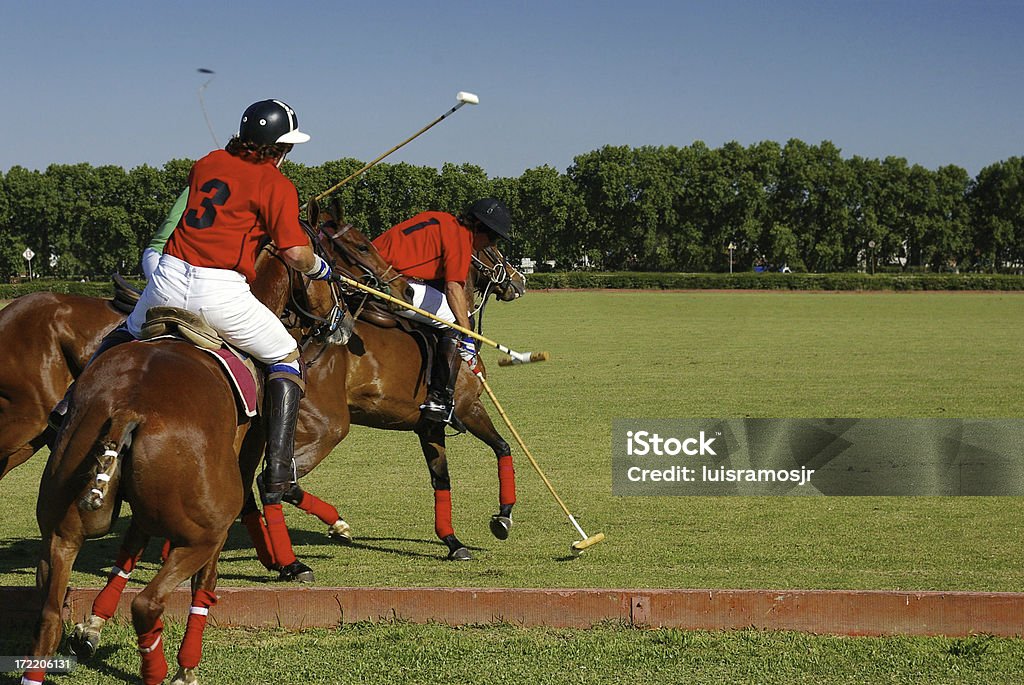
[
  {"x": 31, "y": 200},
  {"x": 997, "y": 209},
  {"x": 815, "y": 199},
  {"x": 546, "y": 216},
  {"x": 947, "y": 234},
  {"x": 458, "y": 185},
  {"x": 629, "y": 195},
  {"x": 8, "y": 241}
]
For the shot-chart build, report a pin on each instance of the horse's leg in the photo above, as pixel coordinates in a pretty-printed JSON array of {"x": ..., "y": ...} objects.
[
  {"x": 337, "y": 528},
  {"x": 323, "y": 424},
  {"x": 431, "y": 437},
  {"x": 21, "y": 434},
  {"x": 252, "y": 519},
  {"x": 16, "y": 457},
  {"x": 478, "y": 422},
  {"x": 203, "y": 597},
  {"x": 59, "y": 550},
  {"x": 85, "y": 638},
  {"x": 148, "y": 606}
]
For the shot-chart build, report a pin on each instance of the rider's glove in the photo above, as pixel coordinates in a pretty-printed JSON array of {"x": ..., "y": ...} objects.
[
  {"x": 467, "y": 348},
  {"x": 320, "y": 270}
]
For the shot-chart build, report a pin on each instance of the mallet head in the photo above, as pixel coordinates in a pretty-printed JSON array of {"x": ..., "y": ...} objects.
[
  {"x": 467, "y": 98},
  {"x": 579, "y": 546}
]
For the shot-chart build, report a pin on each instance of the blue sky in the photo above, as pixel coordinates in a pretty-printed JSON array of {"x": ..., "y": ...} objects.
[{"x": 116, "y": 82}]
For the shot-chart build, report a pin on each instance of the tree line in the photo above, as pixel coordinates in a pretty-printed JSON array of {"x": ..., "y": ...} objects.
[{"x": 622, "y": 208}]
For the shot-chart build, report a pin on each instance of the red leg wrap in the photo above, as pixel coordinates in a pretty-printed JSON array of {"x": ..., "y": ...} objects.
[
  {"x": 506, "y": 480},
  {"x": 192, "y": 644},
  {"x": 260, "y": 538},
  {"x": 165, "y": 551},
  {"x": 151, "y": 647},
  {"x": 443, "y": 513},
  {"x": 33, "y": 677},
  {"x": 280, "y": 542},
  {"x": 311, "y": 504},
  {"x": 105, "y": 604}
]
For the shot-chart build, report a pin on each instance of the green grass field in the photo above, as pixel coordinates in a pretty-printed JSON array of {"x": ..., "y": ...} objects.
[
  {"x": 607, "y": 655},
  {"x": 642, "y": 355},
  {"x": 648, "y": 355}
]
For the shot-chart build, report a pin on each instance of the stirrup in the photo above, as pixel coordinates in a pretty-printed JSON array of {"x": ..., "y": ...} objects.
[{"x": 434, "y": 411}]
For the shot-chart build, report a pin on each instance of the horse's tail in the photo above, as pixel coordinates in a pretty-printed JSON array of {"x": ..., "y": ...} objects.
[{"x": 108, "y": 460}]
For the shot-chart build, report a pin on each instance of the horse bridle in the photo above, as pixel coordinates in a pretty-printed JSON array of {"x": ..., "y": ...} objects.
[{"x": 499, "y": 276}]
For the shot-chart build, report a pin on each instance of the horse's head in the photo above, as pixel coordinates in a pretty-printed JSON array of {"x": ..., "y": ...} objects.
[
  {"x": 490, "y": 273},
  {"x": 351, "y": 253}
]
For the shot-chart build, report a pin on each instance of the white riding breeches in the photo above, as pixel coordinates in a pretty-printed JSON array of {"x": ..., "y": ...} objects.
[
  {"x": 222, "y": 297},
  {"x": 429, "y": 299}
]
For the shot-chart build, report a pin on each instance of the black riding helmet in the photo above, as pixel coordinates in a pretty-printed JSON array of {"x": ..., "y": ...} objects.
[
  {"x": 493, "y": 214},
  {"x": 270, "y": 121}
]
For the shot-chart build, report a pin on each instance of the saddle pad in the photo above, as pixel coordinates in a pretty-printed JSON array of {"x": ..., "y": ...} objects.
[{"x": 243, "y": 378}]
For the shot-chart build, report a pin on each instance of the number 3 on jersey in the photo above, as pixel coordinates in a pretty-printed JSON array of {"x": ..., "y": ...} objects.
[{"x": 195, "y": 220}]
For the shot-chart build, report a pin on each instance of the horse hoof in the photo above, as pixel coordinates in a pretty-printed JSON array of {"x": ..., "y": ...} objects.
[
  {"x": 460, "y": 554},
  {"x": 185, "y": 676},
  {"x": 296, "y": 571},
  {"x": 85, "y": 638},
  {"x": 501, "y": 526},
  {"x": 340, "y": 532},
  {"x": 83, "y": 643}
]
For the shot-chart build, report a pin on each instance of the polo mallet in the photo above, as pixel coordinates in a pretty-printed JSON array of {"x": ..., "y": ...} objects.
[
  {"x": 516, "y": 357},
  {"x": 462, "y": 97},
  {"x": 588, "y": 540},
  {"x": 202, "y": 103}
]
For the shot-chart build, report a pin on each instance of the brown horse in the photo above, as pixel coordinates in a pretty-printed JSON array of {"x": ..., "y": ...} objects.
[
  {"x": 45, "y": 341},
  {"x": 183, "y": 467},
  {"x": 385, "y": 365},
  {"x": 176, "y": 463},
  {"x": 386, "y": 384}
]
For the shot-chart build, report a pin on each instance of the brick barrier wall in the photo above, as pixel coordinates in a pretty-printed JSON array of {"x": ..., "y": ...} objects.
[{"x": 814, "y": 611}]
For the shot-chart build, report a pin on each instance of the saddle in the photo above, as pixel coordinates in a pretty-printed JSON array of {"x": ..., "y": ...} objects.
[
  {"x": 180, "y": 323},
  {"x": 126, "y": 296},
  {"x": 377, "y": 314}
]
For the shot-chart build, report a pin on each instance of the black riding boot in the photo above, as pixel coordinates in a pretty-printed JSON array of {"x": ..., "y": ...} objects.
[
  {"x": 112, "y": 339},
  {"x": 280, "y": 412},
  {"x": 440, "y": 402}
]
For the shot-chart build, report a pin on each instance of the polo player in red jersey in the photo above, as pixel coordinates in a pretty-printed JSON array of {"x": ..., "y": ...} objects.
[
  {"x": 237, "y": 199},
  {"x": 433, "y": 250}
]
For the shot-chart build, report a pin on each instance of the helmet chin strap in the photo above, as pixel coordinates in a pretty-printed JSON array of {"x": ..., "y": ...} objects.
[{"x": 280, "y": 160}]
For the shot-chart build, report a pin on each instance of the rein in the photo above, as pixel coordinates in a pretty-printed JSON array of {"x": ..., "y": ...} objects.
[{"x": 353, "y": 265}]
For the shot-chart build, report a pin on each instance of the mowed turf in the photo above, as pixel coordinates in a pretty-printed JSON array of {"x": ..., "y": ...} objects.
[
  {"x": 662, "y": 355},
  {"x": 436, "y": 655}
]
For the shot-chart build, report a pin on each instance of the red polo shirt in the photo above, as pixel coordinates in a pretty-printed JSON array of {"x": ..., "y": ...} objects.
[
  {"x": 431, "y": 246},
  {"x": 232, "y": 206}
]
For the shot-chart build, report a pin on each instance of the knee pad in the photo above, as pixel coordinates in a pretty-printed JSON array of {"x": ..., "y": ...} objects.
[{"x": 294, "y": 371}]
